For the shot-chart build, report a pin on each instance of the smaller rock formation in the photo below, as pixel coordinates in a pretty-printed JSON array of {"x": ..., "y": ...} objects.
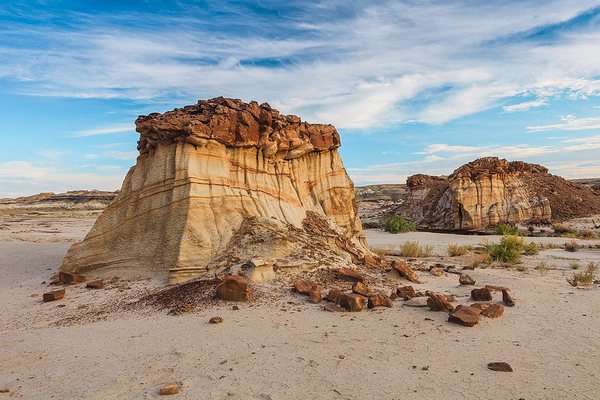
[
  {"x": 507, "y": 299},
  {"x": 465, "y": 279},
  {"x": 500, "y": 366},
  {"x": 438, "y": 302},
  {"x": 483, "y": 294},
  {"x": 352, "y": 302},
  {"x": 53, "y": 295},
  {"x": 234, "y": 287},
  {"x": 464, "y": 315},
  {"x": 380, "y": 300},
  {"x": 493, "y": 311},
  {"x": 404, "y": 270}
]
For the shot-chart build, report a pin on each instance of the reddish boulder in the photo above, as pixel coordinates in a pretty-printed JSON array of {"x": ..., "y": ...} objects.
[
  {"x": 483, "y": 294},
  {"x": 496, "y": 288},
  {"x": 352, "y": 302},
  {"x": 362, "y": 289},
  {"x": 439, "y": 302},
  {"x": 500, "y": 367},
  {"x": 334, "y": 296},
  {"x": 507, "y": 299},
  {"x": 53, "y": 295},
  {"x": 350, "y": 275},
  {"x": 379, "y": 300},
  {"x": 97, "y": 284},
  {"x": 303, "y": 286},
  {"x": 369, "y": 260},
  {"x": 481, "y": 306},
  {"x": 68, "y": 278},
  {"x": 169, "y": 389},
  {"x": 234, "y": 287},
  {"x": 315, "y": 294},
  {"x": 333, "y": 308},
  {"x": 405, "y": 271},
  {"x": 493, "y": 311},
  {"x": 406, "y": 292},
  {"x": 464, "y": 315},
  {"x": 465, "y": 279}
]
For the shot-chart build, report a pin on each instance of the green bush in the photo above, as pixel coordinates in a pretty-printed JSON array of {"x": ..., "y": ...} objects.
[
  {"x": 508, "y": 250},
  {"x": 506, "y": 229},
  {"x": 399, "y": 224},
  {"x": 531, "y": 249}
]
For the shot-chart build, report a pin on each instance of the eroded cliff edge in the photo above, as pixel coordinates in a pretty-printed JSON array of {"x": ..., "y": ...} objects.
[{"x": 221, "y": 184}]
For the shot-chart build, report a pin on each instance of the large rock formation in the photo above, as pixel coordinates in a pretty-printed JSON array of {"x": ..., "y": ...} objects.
[
  {"x": 223, "y": 185},
  {"x": 76, "y": 200},
  {"x": 490, "y": 191}
]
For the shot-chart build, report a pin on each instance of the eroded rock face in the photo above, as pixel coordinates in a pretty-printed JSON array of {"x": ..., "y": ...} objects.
[
  {"x": 221, "y": 182},
  {"x": 491, "y": 191}
]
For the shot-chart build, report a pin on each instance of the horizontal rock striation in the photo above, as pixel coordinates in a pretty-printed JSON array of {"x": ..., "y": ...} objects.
[{"x": 221, "y": 183}]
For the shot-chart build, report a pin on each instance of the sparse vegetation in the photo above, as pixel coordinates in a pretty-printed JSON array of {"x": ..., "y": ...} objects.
[
  {"x": 399, "y": 224},
  {"x": 380, "y": 251},
  {"x": 508, "y": 250},
  {"x": 572, "y": 246},
  {"x": 413, "y": 249},
  {"x": 586, "y": 234},
  {"x": 575, "y": 265},
  {"x": 542, "y": 268},
  {"x": 480, "y": 261},
  {"x": 562, "y": 229},
  {"x": 506, "y": 229},
  {"x": 457, "y": 250},
  {"x": 584, "y": 278},
  {"x": 531, "y": 249}
]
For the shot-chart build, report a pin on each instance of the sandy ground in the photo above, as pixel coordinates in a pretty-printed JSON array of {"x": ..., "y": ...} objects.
[{"x": 283, "y": 347}]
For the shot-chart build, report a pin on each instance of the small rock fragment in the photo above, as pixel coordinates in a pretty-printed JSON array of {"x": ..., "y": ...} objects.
[
  {"x": 234, "y": 287},
  {"x": 466, "y": 280},
  {"x": 483, "y": 294},
  {"x": 379, "y": 300},
  {"x": 334, "y": 296},
  {"x": 405, "y": 271},
  {"x": 215, "y": 320},
  {"x": 97, "y": 284},
  {"x": 171, "y": 388},
  {"x": 53, "y": 295},
  {"x": 493, "y": 311},
  {"x": 500, "y": 366},
  {"x": 417, "y": 302},
  {"x": 69, "y": 278},
  {"x": 352, "y": 301},
  {"x": 315, "y": 294},
  {"x": 303, "y": 286},
  {"x": 4, "y": 390},
  {"x": 496, "y": 288},
  {"x": 333, "y": 308},
  {"x": 435, "y": 271},
  {"x": 464, "y": 315},
  {"x": 347, "y": 274},
  {"x": 182, "y": 309},
  {"x": 438, "y": 302},
  {"x": 406, "y": 292},
  {"x": 507, "y": 299},
  {"x": 362, "y": 289}
]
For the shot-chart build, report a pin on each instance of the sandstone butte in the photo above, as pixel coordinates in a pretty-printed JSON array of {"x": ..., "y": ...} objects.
[
  {"x": 223, "y": 186},
  {"x": 491, "y": 191}
]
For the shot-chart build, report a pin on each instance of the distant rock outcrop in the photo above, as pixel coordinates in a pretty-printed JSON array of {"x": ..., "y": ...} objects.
[
  {"x": 76, "y": 200},
  {"x": 491, "y": 191},
  {"x": 222, "y": 183}
]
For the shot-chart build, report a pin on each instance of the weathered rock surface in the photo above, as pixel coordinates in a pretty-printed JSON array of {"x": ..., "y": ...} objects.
[
  {"x": 97, "y": 284},
  {"x": 405, "y": 271},
  {"x": 352, "y": 302},
  {"x": 362, "y": 289},
  {"x": 464, "y": 315},
  {"x": 406, "y": 292},
  {"x": 334, "y": 296},
  {"x": 483, "y": 294},
  {"x": 222, "y": 182},
  {"x": 76, "y": 200},
  {"x": 493, "y": 311},
  {"x": 380, "y": 300},
  {"x": 315, "y": 294},
  {"x": 465, "y": 279},
  {"x": 438, "y": 302},
  {"x": 491, "y": 191},
  {"x": 303, "y": 286},
  {"x": 507, "y": 299},
  {"x": 500, "y": 366},
  {"x": 53, "y": 295},
  {"x": 234, "y": 287},
  {"x": 169, "y": 389},
  {"x": 333, "y": 308}
]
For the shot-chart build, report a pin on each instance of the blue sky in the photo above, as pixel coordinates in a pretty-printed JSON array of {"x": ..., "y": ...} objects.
[{"x": 412, "y": 86}]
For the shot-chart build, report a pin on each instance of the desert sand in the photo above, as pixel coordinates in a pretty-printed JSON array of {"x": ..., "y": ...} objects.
[{"x": 281, "y": 347}]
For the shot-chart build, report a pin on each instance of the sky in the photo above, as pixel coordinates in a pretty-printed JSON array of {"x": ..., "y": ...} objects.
[{"x": 412, "y": 86}]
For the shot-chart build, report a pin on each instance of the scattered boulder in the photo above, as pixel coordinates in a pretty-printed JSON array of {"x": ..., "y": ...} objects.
[
  {"x": 507, "y": 299},
  {"x": 466, "y": 280},
  {"x": 496, "y": 288},
  {"x": 438, "y": 302},
  {"x": 493, "y": 311},
  {"x": 303, "y": 286},
  {"x": 69, "y": 278},
  {"x": 97, "y": 284},
  {"x": 435, "y": 271},
  {"x": 405, "y": 271},
  {"x": 379, "y": 300},
  {"x": 315, "y": 294},
  {"x": 464, "y": 315},
  {"x": 406, "y": 292},
  {"x": 481, "y": 306},
  {"x": 53, "y": 295},
  {"x": 334, "y": 296},
  {"x": 234, "y": 287},
  {"x": 420, "y": 301},
  {"x": 483, "y": 294},
  {"x": 333, "y": 308},
  {"x": 352, "y": 301},
  {"x": 362, "y": 289},
  {"x": 215, "y": 320},
  {"x": 500, "y": 366},
  {"x": 350, "y": 275},
  {"x": 169, "y": 389}
]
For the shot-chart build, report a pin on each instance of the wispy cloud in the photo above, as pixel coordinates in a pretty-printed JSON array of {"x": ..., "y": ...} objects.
[
  {"x": 570, "y": 123},
  {"x": 106, "y": 130},
  {"x": 525, "y": 105}
]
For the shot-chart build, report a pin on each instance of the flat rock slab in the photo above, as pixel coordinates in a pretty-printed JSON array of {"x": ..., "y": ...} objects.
[
  {"x": 234, "y": 287},
  {"x": 417, "y": 302},
  {"x": 405, "y": 271},
  {"x": 483, "y": 294},
  {"x": 333, "y": 308},
  {"x": 464, "y": 315},
  {"x": 347, "y": 274},
  {"x": 352, "y": 302},
  {"x": 500, "y": 366},
  {"x": 97, "y": 284},
  {"x": 53, "y": 295}
]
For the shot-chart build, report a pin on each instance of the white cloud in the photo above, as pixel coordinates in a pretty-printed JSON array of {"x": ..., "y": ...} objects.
[
  {"x": 525, "y": 105},
  {"x": 107, "y": 130},
  {"x": 570, "y": 123}
]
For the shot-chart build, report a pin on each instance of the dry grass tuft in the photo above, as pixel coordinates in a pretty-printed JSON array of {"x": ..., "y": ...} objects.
[
  {"x": 457, "y": 250},
  {"x": 584, "y": 278},
  {"x": 413, "y": 249}
]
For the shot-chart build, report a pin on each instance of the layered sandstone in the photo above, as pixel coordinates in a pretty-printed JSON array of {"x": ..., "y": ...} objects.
[
  {"x": 222, "y": 186},
  {"x": 491, "y": 191}
]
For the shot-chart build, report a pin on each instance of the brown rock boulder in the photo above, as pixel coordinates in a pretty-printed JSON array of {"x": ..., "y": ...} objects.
[
  {"x": 379, "y": 300},
  {"x": 496, "y": 288},
  {"x": 97, "y": 284},
  {"x": 464, "y": 315},
  {"x": 333, "y": 308},
  {"x": 500, "y": 367},
  {"x": 507, "y": 299},
  {"x": 169, "y": 389},
  {"x": 53, "y": 295},
  {"x": 465, "y": 279},
  {"x": 69, "y": 278},
  {"x": 406, "y": 292},
  {"x": 303, "y": 286},
  {"x": 405, "y": 271},
  {"x": 350, "y": 275},
  {"x": 334, "y": 296},
  {"x": 493, "y": 311},
  {"x": 315, "y": 294},
  {"x": 352, "y": 301},
  {"x": 438, "y": 302},
  {"x": 234, "y": 287},
  {"x": 483, "y": 294},
  {"x": 362, "y": 289}
]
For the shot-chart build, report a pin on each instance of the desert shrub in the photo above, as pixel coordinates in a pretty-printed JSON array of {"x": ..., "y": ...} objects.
[
  {"x": 542, "y": 268},
  {"x": 480, "y": 260},
  {"x": 562, "y": 229},
  {"x": 508, "y": 250},
  {"x": 575, "y": 265},
  {"x": 506, "y": 229},
  {"x": 457, "y": 250},
  {"x": 571, "y": 246},
  {"x": 584, "y": 278},
  {"x": 399, "y": 224},
  {"x": 531, "y": 249},
  {"x": 570, "y": 235},
  {"x": 586, "y": 234},
  {"x": 413, "y": 249}
]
